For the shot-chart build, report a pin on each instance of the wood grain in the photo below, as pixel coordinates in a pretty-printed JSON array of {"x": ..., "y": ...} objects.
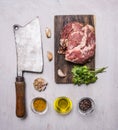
[
  {"x": 20, "y": 97},
  {"x": 59, "y": 22}
]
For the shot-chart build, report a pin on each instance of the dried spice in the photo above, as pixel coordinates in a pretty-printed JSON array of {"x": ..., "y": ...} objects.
[
  {"x": 39, "y": 104},
  {"x": 40, "y": 84},
  {"x": 85, "y": 104}
]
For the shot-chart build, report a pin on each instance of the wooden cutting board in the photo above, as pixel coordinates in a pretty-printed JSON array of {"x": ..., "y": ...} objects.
[{"x": 59, "y": 22}]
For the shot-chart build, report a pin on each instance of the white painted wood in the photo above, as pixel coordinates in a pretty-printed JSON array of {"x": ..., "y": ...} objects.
[{"x": 104, "y": 92}]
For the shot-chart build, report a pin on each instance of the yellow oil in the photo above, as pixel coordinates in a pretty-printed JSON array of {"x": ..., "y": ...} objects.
[{"x": 63, "y": 105}]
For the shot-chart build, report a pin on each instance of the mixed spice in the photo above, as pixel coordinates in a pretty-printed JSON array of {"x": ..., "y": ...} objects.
[{"x": 39, "y": 104}]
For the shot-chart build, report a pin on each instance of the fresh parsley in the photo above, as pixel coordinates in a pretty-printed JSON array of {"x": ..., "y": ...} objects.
[{"x": 83, "y": 74}]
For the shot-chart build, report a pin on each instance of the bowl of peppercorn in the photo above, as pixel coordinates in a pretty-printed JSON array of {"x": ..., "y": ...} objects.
[{"x": 86, "y": 106}]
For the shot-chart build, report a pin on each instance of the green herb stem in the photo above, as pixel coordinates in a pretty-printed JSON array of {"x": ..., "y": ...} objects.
[{"x": 100, "y": 70}]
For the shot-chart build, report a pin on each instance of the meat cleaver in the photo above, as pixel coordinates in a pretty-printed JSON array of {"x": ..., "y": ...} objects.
[{"x": 29, "y": 58}]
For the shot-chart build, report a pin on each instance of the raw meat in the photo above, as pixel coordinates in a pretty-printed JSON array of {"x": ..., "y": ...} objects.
[{"x": 77, "y": 42}]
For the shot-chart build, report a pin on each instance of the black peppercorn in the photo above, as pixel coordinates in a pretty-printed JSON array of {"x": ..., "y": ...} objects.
[{"x": 85, "y": 104}]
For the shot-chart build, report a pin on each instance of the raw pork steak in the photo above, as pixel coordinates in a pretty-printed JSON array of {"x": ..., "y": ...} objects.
[{"x": 77, "y": 42}]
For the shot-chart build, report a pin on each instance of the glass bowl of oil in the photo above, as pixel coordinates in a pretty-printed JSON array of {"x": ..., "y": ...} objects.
[
  {"x": 63, "y": 105},
  {"x": 39, "y": 105}
]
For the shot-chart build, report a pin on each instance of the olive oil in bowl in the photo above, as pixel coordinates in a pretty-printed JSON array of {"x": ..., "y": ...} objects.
[{"x": 63, "y": 105}]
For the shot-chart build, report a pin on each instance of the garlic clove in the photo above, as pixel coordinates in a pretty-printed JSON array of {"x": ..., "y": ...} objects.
[
  {"x": 61, "y": 73},
  {"x": 48, "y": 32},
  {"x": 49, "y": 55}
]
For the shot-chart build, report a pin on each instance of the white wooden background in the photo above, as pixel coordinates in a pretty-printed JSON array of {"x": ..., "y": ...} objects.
[{"x": 104, "y": 92}]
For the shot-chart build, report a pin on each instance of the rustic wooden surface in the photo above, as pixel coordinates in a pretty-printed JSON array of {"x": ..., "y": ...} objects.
[{"x": 59, "y": 22}]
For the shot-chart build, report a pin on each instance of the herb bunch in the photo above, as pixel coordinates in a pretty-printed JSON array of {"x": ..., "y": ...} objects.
[{"x": 83, "y": 74}]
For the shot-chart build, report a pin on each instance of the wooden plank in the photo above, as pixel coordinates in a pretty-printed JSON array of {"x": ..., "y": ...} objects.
[{"x": 59, "y": 22}]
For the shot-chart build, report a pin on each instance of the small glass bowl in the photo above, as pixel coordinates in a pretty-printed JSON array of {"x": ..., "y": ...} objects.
[
  {"x": 89, "y": 110},
  {"x": 63, "y": 105},
  {"x": 40, "y": 100}
]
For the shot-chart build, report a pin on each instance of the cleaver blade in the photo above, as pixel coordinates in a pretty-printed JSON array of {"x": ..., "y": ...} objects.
[{"x": 29, "y": 58}]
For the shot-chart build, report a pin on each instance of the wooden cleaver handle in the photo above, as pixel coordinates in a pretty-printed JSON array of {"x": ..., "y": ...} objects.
[{"x": 20, "y": 97}]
